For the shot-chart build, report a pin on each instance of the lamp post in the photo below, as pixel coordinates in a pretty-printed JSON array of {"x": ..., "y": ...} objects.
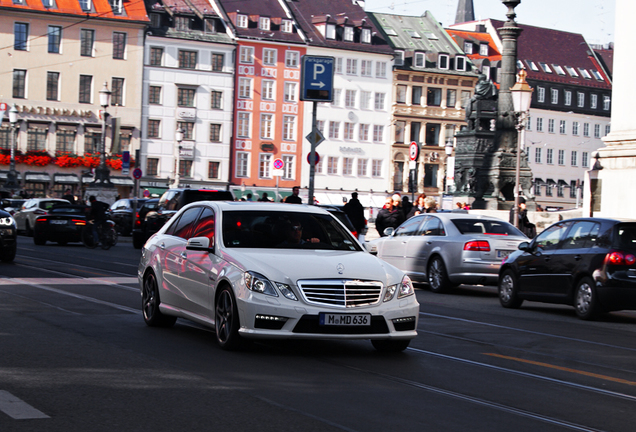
[
  {"x": 179, "y": 137},
  {"x": 102, "y": 173},
  {"x": 521, "y": 99},
  {"x": 12, "y": 177},
  {"x": 448, "y": 148}
]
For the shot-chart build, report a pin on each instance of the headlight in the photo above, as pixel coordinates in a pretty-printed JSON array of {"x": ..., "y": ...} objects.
[
  {"x": 7, "y": 221},
  {"x": 259, "y": 283},
  {"x": 286, "y": 291},
  {"x": 405, "y": 289},
  {"x": 390, "y": 292}
]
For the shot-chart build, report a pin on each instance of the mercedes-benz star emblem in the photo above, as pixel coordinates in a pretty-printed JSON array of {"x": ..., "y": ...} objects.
[{"x": 340, "y": 268}]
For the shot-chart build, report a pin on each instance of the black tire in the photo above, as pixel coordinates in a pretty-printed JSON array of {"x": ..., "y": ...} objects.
[
  {"x": 390, "y": 345},
  {"x": 28, "y": 230},
  {"x": 150, "y": 304},
  {"x": 109, "y": 239},
  {"x": 508, "y": 290},
  {"x": 87, "y": 237},
  {"x": 39, "y": 239},
  {"x": 226, "y": 320},
  {"x": 9, "y": 254},
  {"x": 437, "y": 277},
  {"x": 137, "y": 240},
  {"x": 585, "y": 300}
]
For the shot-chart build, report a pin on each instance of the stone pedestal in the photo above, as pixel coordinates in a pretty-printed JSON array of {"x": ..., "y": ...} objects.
[{"x": 107, "y": 195}]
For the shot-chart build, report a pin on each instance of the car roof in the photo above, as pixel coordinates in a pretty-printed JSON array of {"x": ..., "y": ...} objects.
[
  {"x": 261, "y": 206},
  {"x": 450, "y": 216}
]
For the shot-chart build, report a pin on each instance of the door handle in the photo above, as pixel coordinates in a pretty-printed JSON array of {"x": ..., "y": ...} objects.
[
  {"x": 577, "y": 257},
  {"x": 183, "y": 255},
  {"x": 162, "y": 245}
]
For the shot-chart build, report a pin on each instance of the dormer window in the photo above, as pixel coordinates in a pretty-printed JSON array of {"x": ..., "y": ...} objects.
[
  {"x": 442, "y": 61},
  {"x": 585, "y": 73},
  {"x": 117, "y": 6},
  {"x": 597, "y": 75},
  {"x": 468, "y": 47},
  {"x": 264, "y": 23},
  {"x": 85, "y": 5},
  {"x": 418, "y": 60},
  {"x": 287, "y": 26},
  {"x": 155, "y": 20},
  {"x": 399, "y": 58},
  {"x": 483, "y": 50},
  {"x": 545, "y": 67},
  {"x": 559, "y": 70},
  {"x": 366, "y": 36},
  {"x": 182, "y": 23},
  {"x": 460, "y": 63},
  {"x": 331, "y": 31},
  {"x": 348, "y": 34},
  {"x": 533, "y": 66},
  {"x": 19, "y": 2},
  {"x": 573, "y": 73},
  {"x": 48, "y": 3},
  {"x": 241, "y": 21},
  {"x": 519, "y": 64},
  {"x": 210, "y": 25}
]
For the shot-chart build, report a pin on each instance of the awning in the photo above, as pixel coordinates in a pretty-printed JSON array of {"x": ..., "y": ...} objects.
[
  {"x": 5, "y": 174},
  {"x": 122, "y": 181},
  {"x": 538, "y": 181},
  {"x": 65, "y": 178},
  {"x": 563, "y": 183},
  {"x": 37, "y": 177},
  {"x": 550, "y": 182}
]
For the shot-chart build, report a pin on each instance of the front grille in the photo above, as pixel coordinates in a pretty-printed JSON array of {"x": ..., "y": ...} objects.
[{"x": 341, "y": 293}]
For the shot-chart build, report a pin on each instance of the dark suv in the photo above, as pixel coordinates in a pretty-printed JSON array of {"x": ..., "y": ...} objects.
[
  {"x": 589, "y": 263},
  {"x": 171, "y": 202}
]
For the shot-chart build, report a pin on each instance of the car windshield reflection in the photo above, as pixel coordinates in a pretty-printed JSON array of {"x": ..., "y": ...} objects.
[{"x": 484, "y": 226}]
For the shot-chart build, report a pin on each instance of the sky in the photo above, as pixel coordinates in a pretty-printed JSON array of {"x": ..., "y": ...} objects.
[{"x": 594, "y": 19}]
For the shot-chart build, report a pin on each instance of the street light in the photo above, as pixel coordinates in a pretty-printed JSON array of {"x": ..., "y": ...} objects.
[
  {"x": 179, "y": 137},
  {"x": 521, "y": 99},
  {"x": 12, "y": 177},
  {"x": 448, "y": 148},
  {"x": 102, "y": 173}
]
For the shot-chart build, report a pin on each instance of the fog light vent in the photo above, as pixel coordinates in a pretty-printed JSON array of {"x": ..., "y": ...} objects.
[
  {"x": 269, "y": 322},
  {"x": 404, "y": 324}
]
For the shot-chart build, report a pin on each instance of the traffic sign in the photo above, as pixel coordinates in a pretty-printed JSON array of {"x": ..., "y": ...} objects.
[
  {"x": 146, "y": 193},
  {"x": 414, "y": 151},
  {"x": 309, "y": 157},
  {"x": 137, "y": 173},
  {"x": 315, "y": 137},
  {"x": 3, "y": 107},
  {"x": 278, "y": 164},
  {"x": 316, "y": 80}
]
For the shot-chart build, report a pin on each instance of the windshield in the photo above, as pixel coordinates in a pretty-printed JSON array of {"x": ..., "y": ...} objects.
[
  {"x": 485, "y": 226},
  {"x": 286, "y": 230},
  {"x": 68, "y": 210},
  {"x": 625, "y": 236}
]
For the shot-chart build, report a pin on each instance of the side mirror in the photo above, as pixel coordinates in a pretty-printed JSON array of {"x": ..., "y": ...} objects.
[
  {"x": 199, "y": 244},
  {"x": 389, "y": 231},
  {"x": 524, "y": 246}
]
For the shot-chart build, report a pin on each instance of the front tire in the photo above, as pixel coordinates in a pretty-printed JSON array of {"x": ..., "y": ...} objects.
[
  {"x": 585, "y": 300},
  {"x": 150, "y": 304},
  {"x": 390, "y": 345},
  {"x": 226, "y": 320},
  {"x": 509, "y": 291},
  {"x": 437, "y": 277},
  {"x": 9, "y": 255}
]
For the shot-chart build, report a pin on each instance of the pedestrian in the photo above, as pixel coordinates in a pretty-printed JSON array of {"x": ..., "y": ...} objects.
[
  {"x": 68, "y": 195},
  {"x": 294, "y": 198},
  {"x": 418, "y": 207},
  {"x": 525, "y": 226},
  {"x": 355, "y": 211},
  {"x": 249, "y": 197},
  {"x": 391, "y": 215},
  {"x": 264, "y": 197},
  {"x": 407, "y": 205},
  {"x": 430, "y": 204}
]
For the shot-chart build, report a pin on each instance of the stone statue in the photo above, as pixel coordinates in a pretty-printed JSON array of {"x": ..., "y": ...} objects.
[{"x": 484, "y": 90}]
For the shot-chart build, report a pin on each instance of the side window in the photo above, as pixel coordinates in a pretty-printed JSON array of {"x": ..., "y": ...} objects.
[
  {"x": 409, "y": 227},
  {"x": 183, "y": 226},
  {"x": 549, "y": 239},
  {"x": 433, "y": 226},
  {"x": 205, "y": 225},
  {"x": 173, "y": 201},
  {"x": 583, "y": 234}
]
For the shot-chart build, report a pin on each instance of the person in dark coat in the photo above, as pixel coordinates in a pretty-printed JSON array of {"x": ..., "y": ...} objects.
[
  {"x": 430, "y": 204},
  {"x": 355, "y": 211},
  {"x": 391, "y": 215},
  {"x": 525, "y": 226},
  {"x": 418, "y": 207},
  {"x": 68, "y": 195},
  {"x": 407, "y": 205},
  {"x": 294, "y": 198}
]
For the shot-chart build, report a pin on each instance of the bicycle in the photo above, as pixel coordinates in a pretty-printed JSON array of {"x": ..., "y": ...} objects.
[{"x": 107, "y": 237}]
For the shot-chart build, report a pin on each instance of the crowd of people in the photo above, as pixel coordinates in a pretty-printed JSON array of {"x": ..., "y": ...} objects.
[{"x": 399, "y": 208}]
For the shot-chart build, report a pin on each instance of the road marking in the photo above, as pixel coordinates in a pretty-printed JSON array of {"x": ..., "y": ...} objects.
[
  {"x": 70, "y": 281},
  {"x": 17, "y": 408},
  {"x": 561, "y": 368}
]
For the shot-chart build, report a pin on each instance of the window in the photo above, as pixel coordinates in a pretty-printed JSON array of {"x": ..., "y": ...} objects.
[
  {"x": 336, "y": 97},
  {"x": 349, "y": 129},
  {"x": 554, "y": 96},
  {"x": 460, "y": 63},
  {"x": 537, "y": 154},
  {"x": 378, "y": 133},
  {"x": 483, "y": 50},
  {"x": 246, "y": 55},
  {"x": 573, "y": 189},
  {"x": 347, "y": 166},
  {"x": 87, "y": 41},
  {"x": 215, "y": 99},
  {"x": 156, "y": 56},
  {"x": 575, "y": 128},
  {"x": 334, "y": 130},
  {"x": 400, "y": 95},
  {"x": 574, "y": 158},
  {"x": 287, "y": 26},
  {"x": 597, "y": 75},
  {"x": 529, "y": 123},
  {"x": 539, "y": 124},
  {"x": 608, "y": 129},
  {"x": 117, "y": 94},
  {"x": 379, "y": 101},
  {"x": 213, "y": 169},
  {"x": 541, "y": 94},
  {"x": 399, "y": 131},
  {"x": 366, "y": 36},
  {"x": 550, "y": 125},
  {"x": 398, "y": 59},
  {"x": 363, "y": 132},
  {"x": 267, "y": 89},
  {"x": 416, "y": 130},
  {"x": 585, "y": 73},
  {"x": 188, "y": 130},
  {"x": 419, "y": 60},
  {"x": 20, "y": 36},
  {"x": 241, "y": 21},
  {"x": 288, "y": 167},
  {"x": 332, "y": 165},
  {"x": 185, "y": 97},
  {"x": 597, "y": 131},
  {"x": 210, "y": 25},
  {"x": 119, "y": 45},
  {"x": 331, "y": 31},
  {"x": 568, "y": 97},
  {"x": 289, "y": 128},
  {"x": 155, "y": 20},
  {"x": 586, "y": 129},
  {"x": 606, "y": 103},
  {"x": 584, "y": 159},
  {"x": 376, "y": 168},
  {"x": 416, "y": 95},
  {"x": 548, "y": 189},
  {"x": 243, "y": 124},
  {"x": 52, "y": 86},
  {"x": 92, "y": 142},
  {"x": 291, "y": 59},
  {"x": 545, "y": 67},
  {"x": 451, "y": 98},
  {"x": 182, "y": 23},
  {"x": 468, "y": 47},
  {"x": 242, "y": 159},
  {"x": 269, "y": 56},
  {"x": 55, "y": 37},
  {"x": 36, "y": 137},
  {"x": 154, "y": 95},
  {"x": 549, "y": 157},
  {"x": 217, "y": 62},
  {"x": 267, "y": 126},
  {"x": 290, "y": 92},
  {"x": 245, "y": 88},
  {"x": 350, "y": 99},
  {"x": 560, "y": 188},
  {"x": 442, "y": 61},
  {"x": 215, "y": 132},
  {"x": 187, "y": 59},
  {"x": 561, "y": 157},
  {"x": 362, "y": 167},
  {"x": 348, "y": 34},
  {"x": 338, "y": 65},
  {"x": 352, "y": 66},
  {"x": 365, "y": 100},
  {"x": 573, "y": 73},
  {"x": 580, "y": 98},
  {"x": 64, "y": 141},
  {"x": 153, "y": 128},
  {"x": 380, "y": 69},
  {"x": 537, "y": 188},
  {"x": 264, "y": 23},
  {"x": 185, "y": 168},
  {"x": 562, "y": 126},
  {"x": 366, "y": 68},
  {"x": 434, "y": 96},
  {"x": 264, "y": 165},
  {"x": 86, "y": 84},
  {"x": 152, "y": 166},
  {"x": 593, "y": 101}
]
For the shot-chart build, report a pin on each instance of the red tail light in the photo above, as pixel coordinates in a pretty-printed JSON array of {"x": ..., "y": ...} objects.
[
  {"x": 355, "y": 233},
  {"x": 79, "y": 222},
  {"x": 620, "y": 258},
  {"x": 137, "y": 221},
  {"x": 477, "y": 245},
  {"x": 41, "y": 220}
]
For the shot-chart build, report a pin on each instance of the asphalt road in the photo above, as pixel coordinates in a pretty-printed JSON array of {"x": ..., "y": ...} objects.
[{"x": 75, "y": 355}]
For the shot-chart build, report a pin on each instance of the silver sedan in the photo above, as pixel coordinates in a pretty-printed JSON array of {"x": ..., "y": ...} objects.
[{"x": 449, "y": 249}]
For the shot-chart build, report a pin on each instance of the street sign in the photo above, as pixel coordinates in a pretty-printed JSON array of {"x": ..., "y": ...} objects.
[
  {"x": 316, "y": 79},
  {"x": 414, "y": 151},
  {"x": 137, "y": 173},
  {"x": 146, "y": 193},
  {"x": 309, "y": 158},
  {"x": 278, "y": 164},
  {"x": 315, "y": 137},
  {"x": 125, "y": 162},
  {"x": 3, "y": 107}
]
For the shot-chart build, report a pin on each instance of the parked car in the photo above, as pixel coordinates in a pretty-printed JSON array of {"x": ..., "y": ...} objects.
[
  {"x": 588, "y": 263},
  {"x": 8, "y": 237},
  {"x": 170, "y": 203},
  {"x": 121, "y": 212},
  {"x": 31, "y": 209},
  {"x": 449, "y": 249},
  {"x": 272, "y": 270},
  {"x": 62, "y": 224},
  {"x": 138, "y": 235},
  {"x": 11, "y": 205}
]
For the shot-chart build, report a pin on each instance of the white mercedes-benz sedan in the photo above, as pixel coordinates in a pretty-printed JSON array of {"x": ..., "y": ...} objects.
[{"x": 268, "y": 270}]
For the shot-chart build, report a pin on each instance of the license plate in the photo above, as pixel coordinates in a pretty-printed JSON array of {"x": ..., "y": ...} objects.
[
  {"x": 503, "y": 253},
  {"x": 335, "y": 319},
  {"x": 59, "y": 222}
]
